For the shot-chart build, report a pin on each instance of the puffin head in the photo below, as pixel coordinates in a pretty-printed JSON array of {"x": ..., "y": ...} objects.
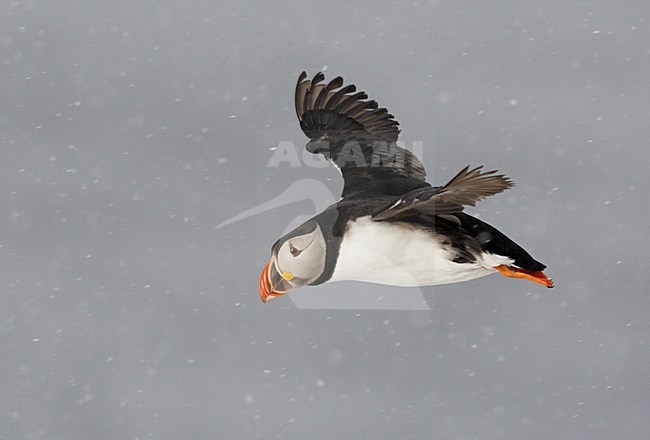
[{"x": 297, "y": 259}]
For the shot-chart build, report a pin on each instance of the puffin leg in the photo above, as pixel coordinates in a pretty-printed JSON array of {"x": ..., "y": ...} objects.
[{"x": 516, "y": 272}]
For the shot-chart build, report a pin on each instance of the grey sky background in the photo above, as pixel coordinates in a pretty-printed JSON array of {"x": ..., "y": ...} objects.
[{"x": 130, "y": 130}]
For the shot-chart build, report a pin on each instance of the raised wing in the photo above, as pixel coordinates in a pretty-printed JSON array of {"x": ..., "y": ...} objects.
[
  {"x": 352, "y": 131},
  {"x": 466, "y": 188}
]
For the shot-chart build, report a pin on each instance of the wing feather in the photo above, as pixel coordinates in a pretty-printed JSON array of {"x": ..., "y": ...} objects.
[
  {"x": 465, "y": 189},
  {"x": 336, "y": 98},
  {"x": 301, "y": 90},
  {"x": 326, "y": 93},
  {"x": 333, "y": 114}
]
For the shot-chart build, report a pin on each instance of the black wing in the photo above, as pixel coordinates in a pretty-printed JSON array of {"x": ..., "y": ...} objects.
[
  {"x": 466, "y": 188},
  {"x": 353, "y": 133}
]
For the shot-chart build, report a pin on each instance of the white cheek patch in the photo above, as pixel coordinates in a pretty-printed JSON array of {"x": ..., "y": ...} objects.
[
  {"x": 309, "y": 264},
  {"x": 303, "y": 242}
]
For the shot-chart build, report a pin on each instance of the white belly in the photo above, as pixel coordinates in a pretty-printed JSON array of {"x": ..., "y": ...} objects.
[{"x": 399, "y": 254}]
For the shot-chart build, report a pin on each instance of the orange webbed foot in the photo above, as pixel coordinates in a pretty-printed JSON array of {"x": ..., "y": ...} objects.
[{"x": 515, "y": 272}]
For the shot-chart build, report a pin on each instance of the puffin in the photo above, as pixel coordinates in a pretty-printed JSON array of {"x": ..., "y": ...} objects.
[{"x": 390, "y": 226}]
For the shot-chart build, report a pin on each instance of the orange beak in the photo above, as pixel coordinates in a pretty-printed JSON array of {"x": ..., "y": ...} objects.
[{"x": 272, "y": 284}]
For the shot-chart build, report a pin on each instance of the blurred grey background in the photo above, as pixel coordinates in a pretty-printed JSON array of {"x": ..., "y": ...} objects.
[{"x": 129, "y": 130}]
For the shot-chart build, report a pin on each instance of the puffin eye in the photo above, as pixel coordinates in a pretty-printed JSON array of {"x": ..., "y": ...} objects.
[{"x": 294, "y": 250}]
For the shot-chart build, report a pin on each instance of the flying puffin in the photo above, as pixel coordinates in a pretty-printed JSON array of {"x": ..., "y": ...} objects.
[{"x": 390, "y": 226}]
